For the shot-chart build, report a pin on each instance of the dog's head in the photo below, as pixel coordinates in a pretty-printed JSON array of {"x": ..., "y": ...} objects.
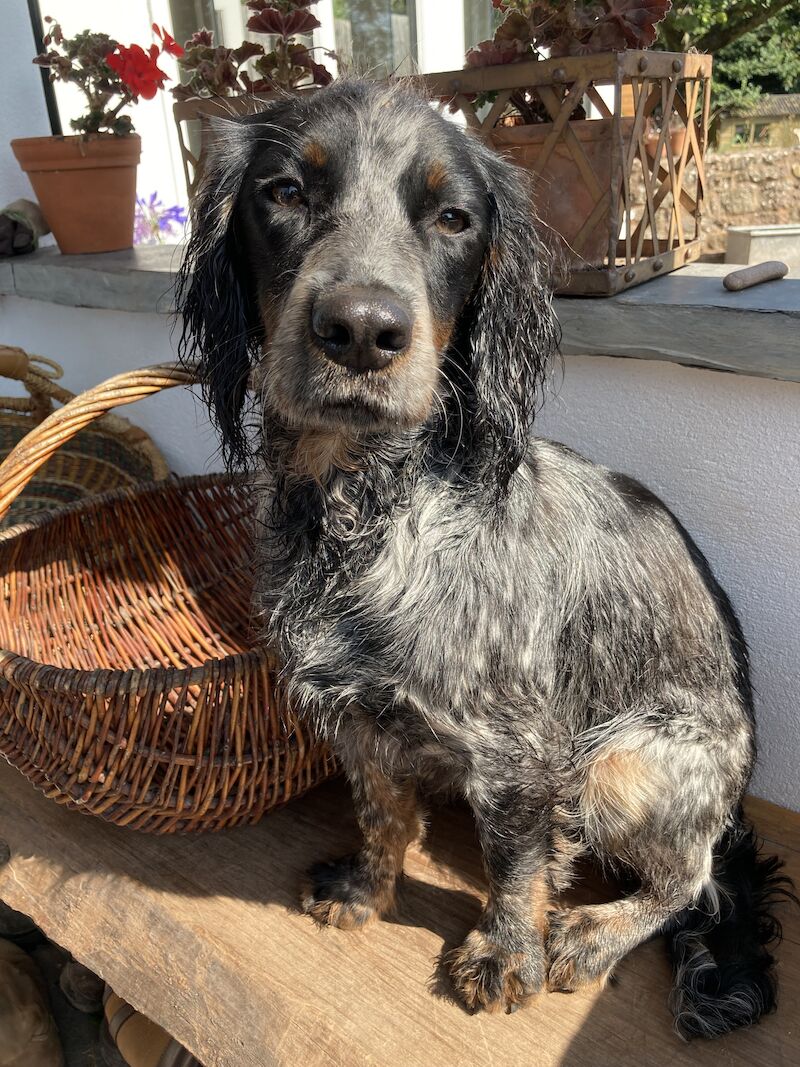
[{"x": 370, "y": 268}]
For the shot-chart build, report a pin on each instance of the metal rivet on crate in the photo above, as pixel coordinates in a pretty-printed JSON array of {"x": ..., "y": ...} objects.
[
  {"x": 677, "y": 66},
  {"x": 5, "y": 853},
  {"x": 644, "y": 63},
  {"x": 658, "y": 264},
  {"x": 630, "y": 275}
]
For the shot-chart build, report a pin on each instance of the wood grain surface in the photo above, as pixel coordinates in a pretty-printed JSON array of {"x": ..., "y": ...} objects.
[{"x": 202, "y": 933}]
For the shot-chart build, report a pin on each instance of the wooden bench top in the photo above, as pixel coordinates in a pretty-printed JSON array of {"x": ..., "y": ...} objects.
[{"x": 203, "y": 935}]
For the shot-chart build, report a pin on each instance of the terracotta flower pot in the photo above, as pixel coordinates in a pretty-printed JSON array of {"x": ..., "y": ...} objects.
[
  {"x": 86, "y": 187},
  {"x": 564, "y": 201},
  {"x": 677, "y": 139}
]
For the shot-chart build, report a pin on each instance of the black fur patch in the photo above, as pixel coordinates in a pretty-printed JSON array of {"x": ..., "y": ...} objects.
[{"x": 724, "y": 970}]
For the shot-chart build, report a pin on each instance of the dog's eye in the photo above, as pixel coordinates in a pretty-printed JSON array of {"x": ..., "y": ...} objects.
[
  {"x": 287, "y": 194},
  {"x": 452, "y": 221}
]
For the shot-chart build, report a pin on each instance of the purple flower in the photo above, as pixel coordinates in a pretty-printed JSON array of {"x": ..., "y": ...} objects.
[{"x": 154, "y": 222}]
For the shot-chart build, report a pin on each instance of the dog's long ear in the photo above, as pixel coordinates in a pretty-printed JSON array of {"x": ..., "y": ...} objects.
[
  {"x": 510, "y": 331},
  {"x": 219, "y": 330}
]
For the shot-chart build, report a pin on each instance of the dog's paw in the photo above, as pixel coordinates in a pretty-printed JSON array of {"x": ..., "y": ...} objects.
[
  {"x": 577, "y": 956},
  {"x": 490, "y": 977},
  {"x": 338, "y": 894}
]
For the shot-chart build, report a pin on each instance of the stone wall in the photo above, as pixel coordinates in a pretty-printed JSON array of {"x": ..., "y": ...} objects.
[{"x": 759, "y": 187}]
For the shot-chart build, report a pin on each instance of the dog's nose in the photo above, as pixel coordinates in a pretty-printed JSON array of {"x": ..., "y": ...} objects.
[{"x": 363, "y": 329}]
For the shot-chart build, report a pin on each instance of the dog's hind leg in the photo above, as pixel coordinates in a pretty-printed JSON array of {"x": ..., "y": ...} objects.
[
  {"x": 640, "y": 808},
  {"x": 585, "y": 943},
  {"x": 351, "y": 891}
]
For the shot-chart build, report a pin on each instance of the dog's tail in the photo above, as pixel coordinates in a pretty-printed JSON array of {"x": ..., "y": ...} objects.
[{"x": 724, "y": 972}]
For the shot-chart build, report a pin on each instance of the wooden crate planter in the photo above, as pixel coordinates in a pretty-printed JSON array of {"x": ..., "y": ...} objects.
[
  {"x": 192, "y": 117},
  {"x": 625, "y": 201}
]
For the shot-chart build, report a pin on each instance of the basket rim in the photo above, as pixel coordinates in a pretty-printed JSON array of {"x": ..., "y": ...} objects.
[
  {"x": 188, "y": 481},
  {"x": 106, "y": 681}
]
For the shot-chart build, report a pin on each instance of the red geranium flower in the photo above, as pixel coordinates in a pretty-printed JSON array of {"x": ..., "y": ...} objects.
[
  {"x": 138, "y": 69},
  {"x": 168, "y": 42}
]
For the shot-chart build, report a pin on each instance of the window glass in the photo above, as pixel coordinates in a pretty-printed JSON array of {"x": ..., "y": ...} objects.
[
  {"x": 480, "y": 21},
  {"x": 190, "y": 15},
  {"x": 376, "y": 36}
]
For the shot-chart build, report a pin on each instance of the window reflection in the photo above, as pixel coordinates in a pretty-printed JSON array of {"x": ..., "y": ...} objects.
[{"x": 376, "y": 36}]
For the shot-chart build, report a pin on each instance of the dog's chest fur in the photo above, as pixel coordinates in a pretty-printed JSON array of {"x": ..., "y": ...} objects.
[
  {"x": 441, "y": 634},
  {"x": 409, "y": 626}
]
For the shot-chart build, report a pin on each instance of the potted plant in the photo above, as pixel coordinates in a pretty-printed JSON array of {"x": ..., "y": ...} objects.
[
  {"x": 86, "y": 183},
  {"x": 554, "y": 29},
  {"x": 214, "y": 70},
  {"x": 224, "y": 81},
  {"x": 569, "y": 89}
]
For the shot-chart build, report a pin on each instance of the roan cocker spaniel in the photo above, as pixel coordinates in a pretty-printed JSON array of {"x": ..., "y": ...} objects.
[{"x": 458, "y": 604}]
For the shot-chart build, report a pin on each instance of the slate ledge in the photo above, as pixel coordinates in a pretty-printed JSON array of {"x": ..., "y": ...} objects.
[{"x": 686, "y": 317}]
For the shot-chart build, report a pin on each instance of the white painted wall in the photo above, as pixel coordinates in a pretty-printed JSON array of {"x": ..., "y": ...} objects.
[
  {"x": 722, "y": 450},
  {"x": 440, "y": 35},
  {"x": 94, "y": 345},
  {"x": 23, "y": 112}
]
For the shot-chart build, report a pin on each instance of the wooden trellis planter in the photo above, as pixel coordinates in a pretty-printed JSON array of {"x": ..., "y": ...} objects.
[
  {"x": 192, "y": 117},
  {"x": 625, "y": 201}
]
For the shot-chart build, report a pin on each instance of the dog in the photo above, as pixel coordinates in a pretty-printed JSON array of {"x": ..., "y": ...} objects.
[{"x": 457, "y": 604}]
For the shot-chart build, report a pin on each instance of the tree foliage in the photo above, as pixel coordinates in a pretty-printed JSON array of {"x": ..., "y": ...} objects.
[{"x": 755, "y": 44}]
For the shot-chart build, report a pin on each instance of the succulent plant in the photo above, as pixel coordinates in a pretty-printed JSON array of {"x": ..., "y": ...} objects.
[
  {"x": 214, "y": 70},
  {"x": 569, "y": 28}
]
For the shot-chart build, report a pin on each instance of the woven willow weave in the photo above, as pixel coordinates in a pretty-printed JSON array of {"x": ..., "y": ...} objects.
[{"x": 131, "y": 688}]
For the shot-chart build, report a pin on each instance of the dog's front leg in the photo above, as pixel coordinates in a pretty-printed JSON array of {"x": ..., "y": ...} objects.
[
  {"x": 351, "y": 891},
  {"x": 502, "y": 961}
]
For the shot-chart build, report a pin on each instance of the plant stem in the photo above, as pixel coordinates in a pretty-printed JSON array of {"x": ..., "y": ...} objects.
[{"x": 111, "y": 115}]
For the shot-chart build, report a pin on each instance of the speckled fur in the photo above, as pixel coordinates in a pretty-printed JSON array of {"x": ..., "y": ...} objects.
[{"x": 457, "y": 604}]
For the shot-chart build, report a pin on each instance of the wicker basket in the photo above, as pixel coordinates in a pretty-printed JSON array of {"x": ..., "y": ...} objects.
[
  {"x": 129, "y": 685},
  {"x": 111, "y": 454}
]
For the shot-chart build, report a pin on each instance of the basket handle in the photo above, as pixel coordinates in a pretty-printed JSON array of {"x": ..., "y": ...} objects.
[
  {"x": 43, "y": 440},
  {"x": 39, "y": 376}
]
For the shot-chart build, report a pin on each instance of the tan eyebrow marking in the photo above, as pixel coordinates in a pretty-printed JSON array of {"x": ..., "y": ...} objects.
[
  {"x": 315, "y": 154},
  {"x": 436, "y": 176}
]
